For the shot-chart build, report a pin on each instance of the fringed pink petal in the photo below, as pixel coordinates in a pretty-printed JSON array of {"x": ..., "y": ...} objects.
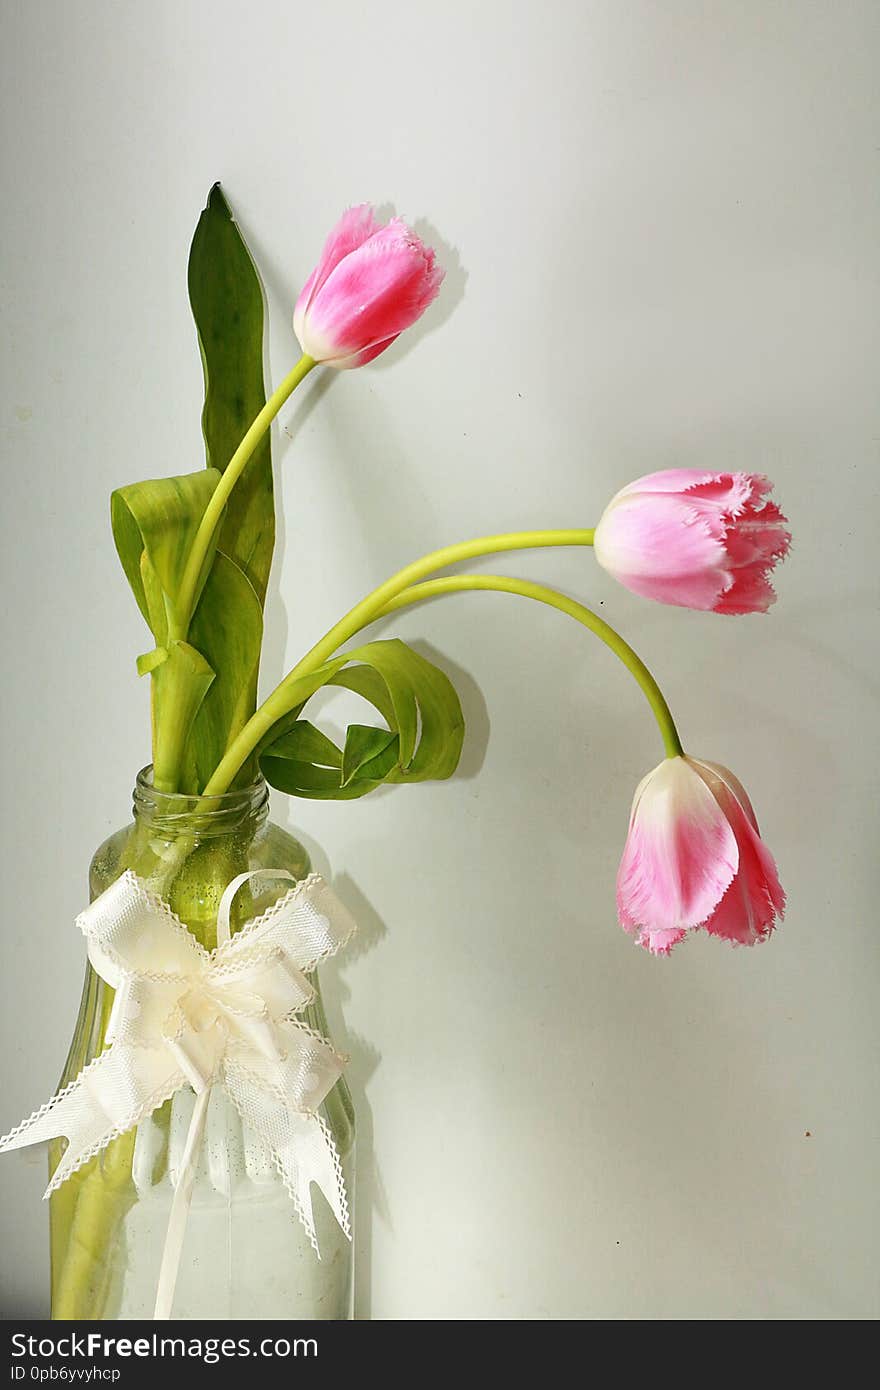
[
  {"x": 750, "y": 591},
  {"x": 372, "y": 297},
  {"x": 729, "y": 491},
  {"x": 659, "y": 941},
  {"x": 355, "y": 226},
  {"x": 680, "y": 853},
  {"x": 700, "y": 591},
  {"x": 725, "y": 785},
  {"x": 755, "y": 543},
  {"x": 742, "y": 917},
  {"x": 755, "y": 899},
  {"x": 664, "y": 549},
  {"x": 658, "y": 537},
  {"x": 760, "y": 533}
]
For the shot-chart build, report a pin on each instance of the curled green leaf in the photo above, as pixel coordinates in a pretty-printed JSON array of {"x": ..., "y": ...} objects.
[
  {"x": 422, "y": 740},
  {"x": 154, "y": 525}
]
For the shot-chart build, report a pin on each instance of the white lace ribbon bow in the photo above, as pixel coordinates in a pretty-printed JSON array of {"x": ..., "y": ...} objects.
[{"x": 183, "y": 1015}]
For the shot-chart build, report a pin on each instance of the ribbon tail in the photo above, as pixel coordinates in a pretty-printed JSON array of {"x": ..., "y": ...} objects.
[
  {"x": 173, "y": 1248},
  {"x": 111, "y": 1095},
  {"x": 302, "y": 1147},
  {"x": 308, "y": 1156}
]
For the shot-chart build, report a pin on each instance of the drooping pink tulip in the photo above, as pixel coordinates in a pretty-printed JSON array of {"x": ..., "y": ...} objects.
[
  {"x": 370, "y": 284},
  {"x": 694, "y": 858},
  {"x": 698, "y": 540}
]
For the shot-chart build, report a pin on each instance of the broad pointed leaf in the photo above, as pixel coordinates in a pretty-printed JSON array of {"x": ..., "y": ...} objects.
[{"x": 227, "y": 305}]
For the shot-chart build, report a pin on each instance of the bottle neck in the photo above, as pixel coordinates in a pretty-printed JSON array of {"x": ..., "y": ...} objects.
[
  {"x": 188, "y": 848},
  {"x": 170, "y": 816}
]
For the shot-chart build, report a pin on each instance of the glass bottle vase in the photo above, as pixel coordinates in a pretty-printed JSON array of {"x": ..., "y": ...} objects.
[{"x": 245, "y": 1253}]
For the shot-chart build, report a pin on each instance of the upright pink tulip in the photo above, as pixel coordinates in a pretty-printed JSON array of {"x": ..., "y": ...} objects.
[
  {"x": 698, "y": 540},
  {"x": 370, "y": 284},
  {"x": 694, "y": 858}
]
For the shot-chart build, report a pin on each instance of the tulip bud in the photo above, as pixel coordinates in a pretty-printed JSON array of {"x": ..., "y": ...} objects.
[
  {"x": 694, "y": 858},
  {"x": 370, "y": 284},
  {"x": 698, "y": 540}
]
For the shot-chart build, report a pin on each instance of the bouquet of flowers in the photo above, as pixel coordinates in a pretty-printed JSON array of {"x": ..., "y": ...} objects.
[{"x": 201, "y": 973}]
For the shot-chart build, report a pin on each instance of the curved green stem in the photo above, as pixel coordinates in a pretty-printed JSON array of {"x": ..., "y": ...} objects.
[
  {"x": 501, "y": 584},
  {"x": 214, "y": 511},
  {"x": 369, "y": 607},
  {"x": 277, "y": 704}
]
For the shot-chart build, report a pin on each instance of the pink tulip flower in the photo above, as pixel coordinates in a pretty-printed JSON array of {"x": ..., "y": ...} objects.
[
  {"x": 694, "y": 858},
  {"x": 370, "y": 284},
  {"x": 698, "y": 540}
]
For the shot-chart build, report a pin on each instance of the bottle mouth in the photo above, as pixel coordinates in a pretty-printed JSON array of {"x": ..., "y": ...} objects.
[{"x": 178, "y": 813}]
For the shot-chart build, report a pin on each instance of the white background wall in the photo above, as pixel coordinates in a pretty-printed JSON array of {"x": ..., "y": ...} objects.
[{"x": 660, "y": 223}]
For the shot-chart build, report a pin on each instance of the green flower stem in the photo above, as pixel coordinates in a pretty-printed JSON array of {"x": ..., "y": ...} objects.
[
  {"x": 454, "y": 584},
  {"x": 89, "y": 1210},
  {"x": 279, "y": 702},
  {"x": 174, "y": 716},
  {"x": 97, "y": 1199},
  {"x": 186, "y": 596}
]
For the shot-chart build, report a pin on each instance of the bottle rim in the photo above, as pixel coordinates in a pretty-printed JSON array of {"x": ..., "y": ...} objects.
[{"x": 177, "y": 812}]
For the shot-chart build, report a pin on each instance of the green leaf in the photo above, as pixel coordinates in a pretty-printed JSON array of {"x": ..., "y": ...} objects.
[
  {"x": 150, "y": 661},
  {"x": 201, "y": 701},
  {"x": 314, "y": 783},
  {"x": 412, "y": 683},
  {"x": 227, "y": 628},
  {"x": 364, "y": 681},
  {"x": 154, "y": 597},
  {"x": 381, "y": 681},
  {"x": 227, "y": 305},
  {"x": 154, "y": 524},
  {"x": 368, "y": 753},
  {"x": 418, "y": 702},
  {"x": 305, "y": 762},
  {"x": 180, "y": 685},
  {"x": 303, "y": 743}
]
